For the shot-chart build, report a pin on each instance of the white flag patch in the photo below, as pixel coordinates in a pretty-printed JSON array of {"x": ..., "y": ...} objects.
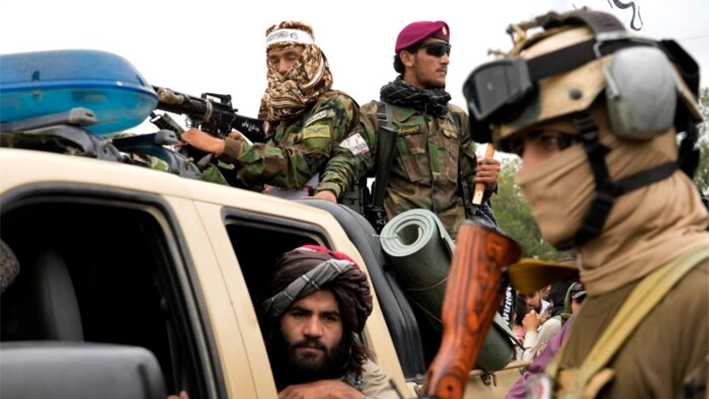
[
  {"x": 355, "y": 144},
  {"x": 315, "y": 118}
]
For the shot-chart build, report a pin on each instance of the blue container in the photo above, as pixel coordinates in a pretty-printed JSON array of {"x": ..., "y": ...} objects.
[{"x": 46, "y": 82}]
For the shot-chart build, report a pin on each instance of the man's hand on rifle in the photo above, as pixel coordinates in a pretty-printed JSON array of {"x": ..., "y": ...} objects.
[
  {"x": 206, "y": 142},
  {"x": 203, "y": 141},
  {"x": 486, "y": 172}
]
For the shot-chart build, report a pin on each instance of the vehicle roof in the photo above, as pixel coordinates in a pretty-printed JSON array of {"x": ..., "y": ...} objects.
[{"x": 32, "y": 166}]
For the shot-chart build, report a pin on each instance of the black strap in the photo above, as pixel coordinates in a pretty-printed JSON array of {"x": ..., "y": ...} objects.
[
  {"x": 386, "y": 144},
  {"x": 595, "y": 150},
  {"x": 606, "y": 189},
  {"x": 609, "y": 36},
  {"x": 574, "y": 56},
  {"x": 686, "y": 65},
  {"x": 689, "y": 154},
  {"x": 599, "y": 22}
]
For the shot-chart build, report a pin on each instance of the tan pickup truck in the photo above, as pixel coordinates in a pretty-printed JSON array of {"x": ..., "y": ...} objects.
[
  {"x": 132, "y": 257},
  {"x": 139, "y": 283}
]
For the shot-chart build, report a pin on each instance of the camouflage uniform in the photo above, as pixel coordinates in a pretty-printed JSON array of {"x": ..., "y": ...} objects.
[
  {"x": 298, "y": 148},
  {"x": 210, "y": 173},
  {"x": 425, "y": 173},
  {"x": 141, "y": 159}
]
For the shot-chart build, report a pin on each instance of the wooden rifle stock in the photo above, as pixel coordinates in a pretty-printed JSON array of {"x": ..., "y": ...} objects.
[{"x": 473, "y": 293}]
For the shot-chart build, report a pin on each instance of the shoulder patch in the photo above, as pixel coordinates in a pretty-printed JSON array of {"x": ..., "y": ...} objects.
[
  {"x": 355, "y": 144},
  {"x": 451, "y": 134},
  {"x": 316, "y": 117},
  {"x": 317, "y": 131},
  {"x": 410, "y": 129}
]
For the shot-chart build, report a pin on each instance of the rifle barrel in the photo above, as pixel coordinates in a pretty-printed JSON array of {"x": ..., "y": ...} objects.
[{"x": 214, "y": 117}]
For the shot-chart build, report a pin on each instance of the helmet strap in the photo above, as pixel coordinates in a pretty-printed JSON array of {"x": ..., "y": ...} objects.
[{"x": 606, "y": 189}]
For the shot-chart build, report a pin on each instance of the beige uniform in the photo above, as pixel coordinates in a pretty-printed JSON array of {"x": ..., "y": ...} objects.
[{"x": 667, "y": 345}]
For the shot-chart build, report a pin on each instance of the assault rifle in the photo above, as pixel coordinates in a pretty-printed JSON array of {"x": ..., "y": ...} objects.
[{"x": 211, "y": 113}]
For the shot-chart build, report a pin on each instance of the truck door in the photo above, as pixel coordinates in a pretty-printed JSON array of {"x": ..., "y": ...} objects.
[{"x": 102, "y": 264}]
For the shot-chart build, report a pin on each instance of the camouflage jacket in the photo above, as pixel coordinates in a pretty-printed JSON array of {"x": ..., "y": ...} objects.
[
  {"x": 425, "y": 171},
  {"x": 299, "y": 148}
]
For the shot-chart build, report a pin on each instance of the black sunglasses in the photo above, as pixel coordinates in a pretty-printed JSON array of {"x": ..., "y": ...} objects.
[{"x": 436, "y": 49}]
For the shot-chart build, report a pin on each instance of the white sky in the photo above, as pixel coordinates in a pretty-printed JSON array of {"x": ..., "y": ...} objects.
[{"x": 219, "y": 46}]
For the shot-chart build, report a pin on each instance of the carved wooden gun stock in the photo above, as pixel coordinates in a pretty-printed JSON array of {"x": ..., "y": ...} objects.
[{"x": 474, "y": 290}]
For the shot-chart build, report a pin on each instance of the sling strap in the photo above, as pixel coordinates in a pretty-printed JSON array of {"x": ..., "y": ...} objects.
[
  {"x": 643, "y": 299},
  {"x": 386, "y": 144}
]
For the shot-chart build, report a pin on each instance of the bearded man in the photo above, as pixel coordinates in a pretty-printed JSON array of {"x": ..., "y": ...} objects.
[
  {"x": 320, "y": 300},
  {"x": 319, "y": 304}
]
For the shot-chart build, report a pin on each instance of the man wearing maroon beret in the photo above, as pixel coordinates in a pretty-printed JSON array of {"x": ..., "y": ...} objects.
[{"x": 434, "y": 164}]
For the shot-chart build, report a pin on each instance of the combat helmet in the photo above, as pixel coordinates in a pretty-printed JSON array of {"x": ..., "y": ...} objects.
[{"x": 576, "y": 59}]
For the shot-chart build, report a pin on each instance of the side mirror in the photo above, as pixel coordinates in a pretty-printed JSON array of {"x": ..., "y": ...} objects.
[{"x": 40, "y": 370}]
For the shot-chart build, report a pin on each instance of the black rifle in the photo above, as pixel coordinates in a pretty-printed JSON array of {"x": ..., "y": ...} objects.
[
  {"x": 386, "y": 143},
  {"x": 211, "y": 113}
]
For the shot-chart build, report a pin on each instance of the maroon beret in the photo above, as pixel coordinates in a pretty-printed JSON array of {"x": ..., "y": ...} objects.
[{"x": 417, "y": 31}]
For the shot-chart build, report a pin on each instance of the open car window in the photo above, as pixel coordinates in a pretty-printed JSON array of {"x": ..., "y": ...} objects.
[{"x": 103, "y": 267}]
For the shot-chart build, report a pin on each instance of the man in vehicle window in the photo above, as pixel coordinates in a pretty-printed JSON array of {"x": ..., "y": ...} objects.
[
  {"x": 305, "y": 118},
  {"x": 435, "y": 166},
  {"x": 320, "y": 300},
  {"x": 319, "y": 304}
]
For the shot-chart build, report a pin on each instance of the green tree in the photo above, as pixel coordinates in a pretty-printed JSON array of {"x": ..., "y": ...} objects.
[{"x": 514, "y": 216}]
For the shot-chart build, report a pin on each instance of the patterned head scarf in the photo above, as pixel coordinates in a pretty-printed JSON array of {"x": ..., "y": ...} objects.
[
  {"x": 289, "y": 94},
  {"x": 310, "y": 268}
]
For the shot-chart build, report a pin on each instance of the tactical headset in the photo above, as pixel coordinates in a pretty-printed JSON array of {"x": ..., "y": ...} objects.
[{"x": 499, "y": 91}]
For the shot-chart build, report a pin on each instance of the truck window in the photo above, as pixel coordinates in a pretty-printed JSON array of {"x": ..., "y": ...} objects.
[
  {"x": 96, "y": 268},
  {"x": 259, "y": 240}
]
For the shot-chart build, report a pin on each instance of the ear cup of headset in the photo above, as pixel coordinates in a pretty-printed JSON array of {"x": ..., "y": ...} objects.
[{"x": 641, "y": 93}]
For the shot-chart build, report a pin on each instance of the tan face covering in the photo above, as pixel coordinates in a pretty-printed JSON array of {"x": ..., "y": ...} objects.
[
  {"x": 558, "y": 191},
  {"x": 289, "y": 94},
  {"x": 644, "y": 229}
]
